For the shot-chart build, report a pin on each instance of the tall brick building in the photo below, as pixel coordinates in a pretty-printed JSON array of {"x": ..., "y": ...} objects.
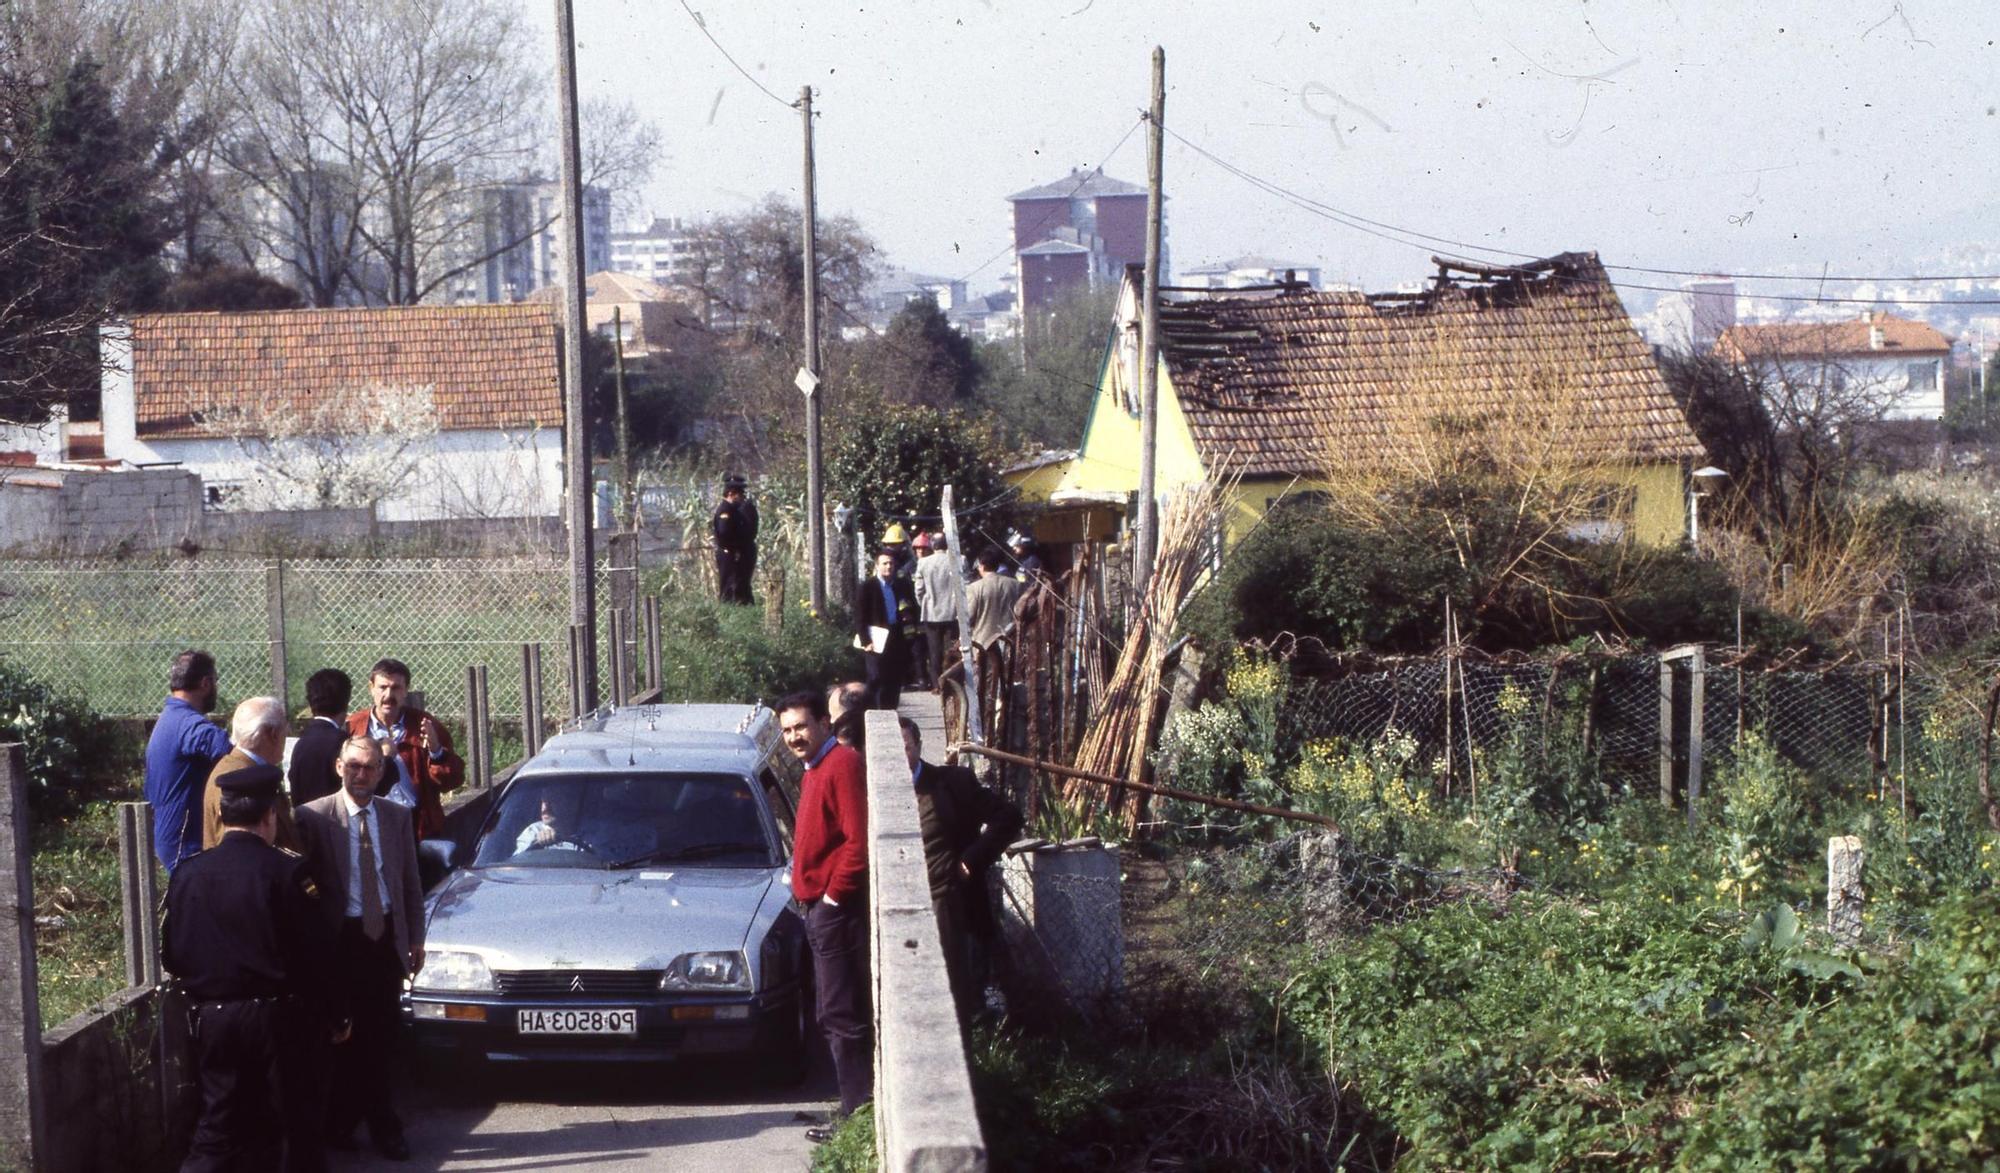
[{"x": 1080, "y": 231}]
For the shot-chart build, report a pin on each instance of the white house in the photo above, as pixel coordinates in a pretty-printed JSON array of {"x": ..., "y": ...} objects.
[
  {"x": 1893, "y": 365},
  {"x": 422, "y": 412}
]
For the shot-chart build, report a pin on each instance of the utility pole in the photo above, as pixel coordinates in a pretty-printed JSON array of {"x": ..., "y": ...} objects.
[
  {"x": 578, "y": 490},
  {"x": 628, "y": 496},
  {"x": 1148, "y": 542},
  {"x": 808, "y": 381}
]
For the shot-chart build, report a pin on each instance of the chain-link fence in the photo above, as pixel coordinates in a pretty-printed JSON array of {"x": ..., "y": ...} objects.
[
  {"x": 1847, "y": 721},
  {"x": 106, "y": 630}
]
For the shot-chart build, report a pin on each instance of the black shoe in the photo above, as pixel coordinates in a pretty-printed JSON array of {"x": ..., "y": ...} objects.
[
  {"x": 393, "y": 1146},
  {"x": 821, "y": 1133}
]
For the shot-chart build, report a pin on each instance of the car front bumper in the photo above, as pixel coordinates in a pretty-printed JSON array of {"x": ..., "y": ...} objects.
[{"x": 669, "y": 1026}]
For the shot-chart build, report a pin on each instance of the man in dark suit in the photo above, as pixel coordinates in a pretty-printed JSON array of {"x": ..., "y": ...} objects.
[
  {"x": 366, "y": 856},
  {"x": 312, "y": 773},
  {"x": 885, "y": 602},
  {"x": 257, "y": 731},
  {"x": 248, "y": 945},
  {"x": 964, "y": 827},
  {"x": 734, "y": 525}
]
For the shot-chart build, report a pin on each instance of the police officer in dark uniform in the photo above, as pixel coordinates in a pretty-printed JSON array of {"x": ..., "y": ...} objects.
[
  {"x": 735, "y": 527},
  {"x": 250, "y": 948}
]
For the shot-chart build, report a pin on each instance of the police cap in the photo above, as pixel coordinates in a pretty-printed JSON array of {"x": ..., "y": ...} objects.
[{"x": 256, "y": 782}]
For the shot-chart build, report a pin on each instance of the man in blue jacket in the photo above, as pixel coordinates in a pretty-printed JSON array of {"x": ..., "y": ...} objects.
[{"x": 184, "y": 747}]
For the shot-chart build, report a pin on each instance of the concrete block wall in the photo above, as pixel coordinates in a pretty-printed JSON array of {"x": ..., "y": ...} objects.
[{"x": 146, "y": 508}]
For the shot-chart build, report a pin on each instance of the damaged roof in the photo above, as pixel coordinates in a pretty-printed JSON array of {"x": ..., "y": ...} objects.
[{"x": 1272, "y": 381}]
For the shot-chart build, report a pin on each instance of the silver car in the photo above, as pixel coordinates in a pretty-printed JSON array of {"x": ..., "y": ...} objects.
[{"x": 628, "y": 897}]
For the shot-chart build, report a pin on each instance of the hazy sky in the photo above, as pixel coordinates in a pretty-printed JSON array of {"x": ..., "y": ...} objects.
[{"x": 1737, "y": 135}]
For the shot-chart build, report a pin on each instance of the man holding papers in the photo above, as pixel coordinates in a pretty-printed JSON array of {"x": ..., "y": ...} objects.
[{"x": 883, "y": 608}]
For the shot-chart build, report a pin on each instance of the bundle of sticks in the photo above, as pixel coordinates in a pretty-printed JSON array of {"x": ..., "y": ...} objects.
[{"x": 1124, "y": 728}]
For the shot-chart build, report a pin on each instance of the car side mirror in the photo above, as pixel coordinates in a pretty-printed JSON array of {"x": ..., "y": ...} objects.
[{"x": 438, "y": 852}]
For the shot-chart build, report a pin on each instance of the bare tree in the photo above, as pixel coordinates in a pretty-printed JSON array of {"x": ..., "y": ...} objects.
[
  {"x": 374, "y": 130},
  {"x": 349, "y": 449}
]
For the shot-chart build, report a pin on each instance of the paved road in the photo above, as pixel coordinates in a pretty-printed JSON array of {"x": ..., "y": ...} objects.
[{"x": 606, "y": 1118}]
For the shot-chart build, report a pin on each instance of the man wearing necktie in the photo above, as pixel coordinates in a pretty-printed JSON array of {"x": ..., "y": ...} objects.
[
  {"x": 366, "y": 852},
  {"x": 884, "y": 603}
]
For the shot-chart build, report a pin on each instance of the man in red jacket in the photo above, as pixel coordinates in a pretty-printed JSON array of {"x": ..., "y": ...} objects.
[
  {"x": 422, "y": 766},
  {"x": 830, "y": 878}
]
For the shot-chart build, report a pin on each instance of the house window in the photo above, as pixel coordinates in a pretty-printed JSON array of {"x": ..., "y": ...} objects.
[
  {"x": 1607, "y": 515},
  {"x": 1923, "y": 375}
]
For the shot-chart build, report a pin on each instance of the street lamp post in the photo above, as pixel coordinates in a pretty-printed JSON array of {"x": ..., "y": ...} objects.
[{"x": 1701, "y": 483}]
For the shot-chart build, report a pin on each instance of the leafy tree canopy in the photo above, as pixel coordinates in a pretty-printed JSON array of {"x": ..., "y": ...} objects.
[{"x": 895, "y": 468}]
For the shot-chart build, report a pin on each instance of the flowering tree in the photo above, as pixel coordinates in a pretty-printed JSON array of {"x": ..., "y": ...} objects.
[{"x": 349, "y": 449}]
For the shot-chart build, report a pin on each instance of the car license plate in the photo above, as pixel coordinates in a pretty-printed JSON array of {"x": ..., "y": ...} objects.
[{"x": 579, "y": 1022}]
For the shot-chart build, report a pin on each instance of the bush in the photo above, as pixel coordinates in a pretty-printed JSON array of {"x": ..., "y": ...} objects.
[
  {"x": 56, "y": 727},
  {"x": 710, "y": 651}
]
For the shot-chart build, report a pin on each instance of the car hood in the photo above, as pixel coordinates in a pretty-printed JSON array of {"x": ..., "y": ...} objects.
[{"x": 563, "y": 918}]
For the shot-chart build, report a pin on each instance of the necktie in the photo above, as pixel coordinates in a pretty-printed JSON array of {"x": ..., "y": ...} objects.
[{"x": 371, "y": 885}]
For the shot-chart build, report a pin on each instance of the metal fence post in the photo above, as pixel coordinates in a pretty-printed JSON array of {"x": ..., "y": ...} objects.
[
  {"x": 274, "y": 618},
  {"x": 472, "y": 730},
  {"x": 531, "y": 699},
  {"x": 578, "y": 635},
  {"x": 22, "y": 1109},
  {"x": 484, "y": 707}
]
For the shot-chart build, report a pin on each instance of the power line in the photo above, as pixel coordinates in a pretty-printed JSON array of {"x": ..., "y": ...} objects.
[
  {"x": 1389, "y": 232},
  {"x": 701, "y": 24},
  {"x": 1850, "y": 279},
  {"x": 1103, "y": 161}
]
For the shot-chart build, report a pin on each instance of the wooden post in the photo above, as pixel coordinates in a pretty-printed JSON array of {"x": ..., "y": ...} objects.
[
  {"x": 1447, "y": 698},
  {"x": 1697, "y": 671},
  {"x": 274, "y": 631},
  {"x": 577, "y": 638},
  {"x": 21, "y": 1097},
  {"x": 618, "y": 657},
  {"x": 1845, "y": 859},
  {"x": 531, "y": 698},
  {"x": 1666, "y": 733},
  {"x": 654, "y": 671}
]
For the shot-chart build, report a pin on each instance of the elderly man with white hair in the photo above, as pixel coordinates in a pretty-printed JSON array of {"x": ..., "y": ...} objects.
[{"x": 257, "y": 733}]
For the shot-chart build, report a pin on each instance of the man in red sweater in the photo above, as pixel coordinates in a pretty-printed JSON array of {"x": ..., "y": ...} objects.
[{"x": 830, "y": 878}]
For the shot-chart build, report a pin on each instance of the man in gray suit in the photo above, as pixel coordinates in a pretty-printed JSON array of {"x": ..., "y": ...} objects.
[{"x": 366, "y": 854}]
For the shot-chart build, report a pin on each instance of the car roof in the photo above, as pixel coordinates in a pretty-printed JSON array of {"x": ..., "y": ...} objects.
[{"x": 727, "y": 738}]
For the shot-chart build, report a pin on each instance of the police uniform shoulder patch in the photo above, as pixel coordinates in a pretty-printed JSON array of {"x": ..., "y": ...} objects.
[
  {"x": 289, "y": 851},
  {"x": 307, "y": 886}
]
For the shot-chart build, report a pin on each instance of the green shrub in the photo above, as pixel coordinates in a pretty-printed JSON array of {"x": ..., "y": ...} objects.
[
  {"x": 73, "y": 754},
  {"x": 710, "y": 651},
  {"x": 852, "y": 1149}
]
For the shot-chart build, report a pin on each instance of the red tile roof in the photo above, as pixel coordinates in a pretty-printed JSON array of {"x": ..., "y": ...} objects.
[
  {"x": 1821, "y": 339},
  {"x": 487, "y": 366},
  {"x": 1272, "y": 382}
]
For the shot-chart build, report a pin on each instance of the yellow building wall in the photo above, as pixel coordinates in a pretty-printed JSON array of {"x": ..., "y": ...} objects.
[
  {"x": 1110, "y": 455},
  {"x": 1659, "y": 505}
]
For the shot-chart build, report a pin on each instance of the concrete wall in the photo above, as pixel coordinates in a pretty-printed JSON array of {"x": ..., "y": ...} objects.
[
  {"x": 91, "y": 509},
  {"x": 118, "y": 1087}
]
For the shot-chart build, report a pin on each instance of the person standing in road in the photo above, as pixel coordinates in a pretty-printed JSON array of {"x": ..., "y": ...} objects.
[
  {"x": 965, "y": 827},
  {"x": 422, "y": 766},
  {"x": 180, "y": 754},
  {"x": 990, "y": 602},
  {"x": 734, "y": 525},
  {"x": 366, "y": 857},
  {"x": 257, "y": 730},
  {"x": 884, "y": 607},
  {"x": 940, "y": 581},
  {"x": 313, "y": 772},
  {"x": 248, "y": 944},
  {"x": 830, "y": 878}
]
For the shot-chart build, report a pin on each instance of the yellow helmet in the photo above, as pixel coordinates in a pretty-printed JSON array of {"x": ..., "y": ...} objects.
[{"x": 893, "y": 536}]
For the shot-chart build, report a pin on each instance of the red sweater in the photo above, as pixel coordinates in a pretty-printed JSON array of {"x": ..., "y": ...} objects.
[{"x": 830, "y": 846}]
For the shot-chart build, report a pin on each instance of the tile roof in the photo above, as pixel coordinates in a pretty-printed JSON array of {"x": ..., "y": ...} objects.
[
  {"x": 1820, "y": 339},
  {"x": 1266, "y": 380},
  {"x": 608, "y": 285},
  {"x": 1054, "y": 248},
  {"x": 1078, "y": 185},
  {"x": 489, "y": 366}
]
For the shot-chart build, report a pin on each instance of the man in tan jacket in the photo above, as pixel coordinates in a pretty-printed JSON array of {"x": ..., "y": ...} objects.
[{"x": 257, "y": 733}]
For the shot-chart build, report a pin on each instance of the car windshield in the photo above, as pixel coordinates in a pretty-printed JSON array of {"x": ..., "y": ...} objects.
[{"x": 626, "y": 820}]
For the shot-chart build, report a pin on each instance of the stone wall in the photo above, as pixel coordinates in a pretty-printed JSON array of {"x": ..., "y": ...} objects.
[
  {"x": 117, "y": 1085},
  {"x": 79, "y": 510}
]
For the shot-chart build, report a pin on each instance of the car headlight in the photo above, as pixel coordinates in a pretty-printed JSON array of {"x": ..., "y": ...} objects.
[
  {"x": 707, "y": 971},
  {"x": 447, "y": 969}
]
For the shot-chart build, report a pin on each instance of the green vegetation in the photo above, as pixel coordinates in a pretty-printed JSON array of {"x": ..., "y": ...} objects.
[
  {"x": 713, "y": 652},
  {"x": 79, "y": 924},
  {"x": 852, "y": 1149}
]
